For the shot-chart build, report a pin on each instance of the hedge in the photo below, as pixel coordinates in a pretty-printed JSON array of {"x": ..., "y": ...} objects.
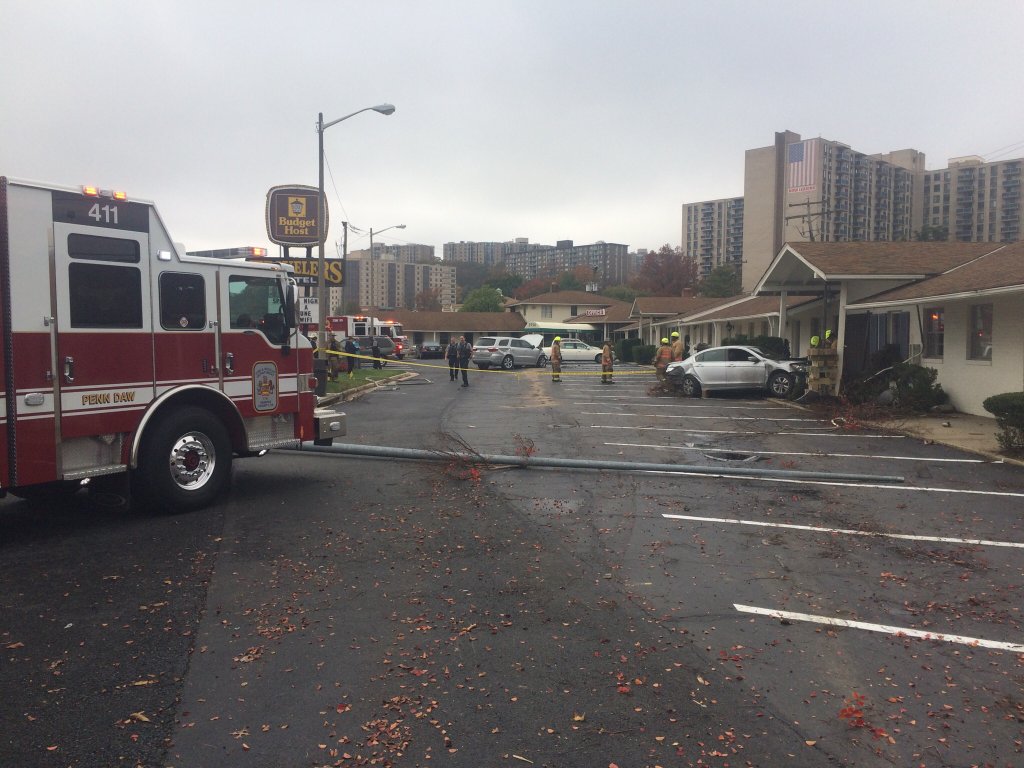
[
  {"x": 624, "y": 349},
  {"x": 1008, "y": 408}
]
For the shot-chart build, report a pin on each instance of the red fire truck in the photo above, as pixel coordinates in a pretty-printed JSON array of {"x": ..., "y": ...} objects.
[{"x": 122, "y": 354}]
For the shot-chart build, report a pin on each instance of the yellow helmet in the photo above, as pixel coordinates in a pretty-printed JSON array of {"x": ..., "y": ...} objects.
[
  {"x": 664, "y": 341},
  {"x": 675, "y": 333},
  {"x": 815, "y": 341},
  {"x": 558, "y": 338}
]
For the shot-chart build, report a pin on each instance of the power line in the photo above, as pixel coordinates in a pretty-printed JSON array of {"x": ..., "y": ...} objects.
[{"x": 996, "y": 153}]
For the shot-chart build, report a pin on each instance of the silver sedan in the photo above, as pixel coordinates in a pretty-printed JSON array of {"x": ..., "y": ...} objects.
[{"x": 734, "y": 368}]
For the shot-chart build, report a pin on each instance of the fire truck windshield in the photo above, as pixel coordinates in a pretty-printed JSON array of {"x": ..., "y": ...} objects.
[{"x": 258, "y": 303}]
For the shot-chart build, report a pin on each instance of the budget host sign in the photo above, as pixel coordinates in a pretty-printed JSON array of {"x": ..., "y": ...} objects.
[{"x": 292, "y": 216}]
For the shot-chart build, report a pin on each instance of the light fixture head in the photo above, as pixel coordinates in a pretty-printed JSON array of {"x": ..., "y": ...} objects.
[{"x": 384, "y": 109}]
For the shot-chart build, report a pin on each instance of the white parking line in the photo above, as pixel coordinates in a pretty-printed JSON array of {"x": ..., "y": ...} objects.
[
  {"x": 688, "y": 416},
  {"x": 820, "y": 454},
  {"x": 883, "y": 628},
  {"x": 847, "y": 531},
  {"x": 736, "y": 432},
  {"x": 836, "y": 483},
  {"x": 633, "y": 403}
]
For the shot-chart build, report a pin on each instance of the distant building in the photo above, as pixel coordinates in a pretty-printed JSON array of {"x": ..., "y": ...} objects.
[
  {"x": 713, "y": 234},
  {"x": 818, "y": 190},
  {"x": 394, "y": 278},
  {"x": 974, "y": 200},
  {"x": 609, "y": 261}
]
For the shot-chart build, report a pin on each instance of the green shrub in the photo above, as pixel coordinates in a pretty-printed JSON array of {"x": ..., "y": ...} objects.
[
  {"x": 916, "y": 388},
  {"x": 624, "y": 349},
  {"x": 913, "y": 387},
  {"x": 1008, "y": 408},
  {"x": 643, "y": 354}
]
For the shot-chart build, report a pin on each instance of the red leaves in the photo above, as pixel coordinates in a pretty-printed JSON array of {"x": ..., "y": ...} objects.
[{"x": 853, "y": 713}]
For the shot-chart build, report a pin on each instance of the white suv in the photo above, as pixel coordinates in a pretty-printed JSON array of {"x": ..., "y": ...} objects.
[{"x": 506, "y": 352}]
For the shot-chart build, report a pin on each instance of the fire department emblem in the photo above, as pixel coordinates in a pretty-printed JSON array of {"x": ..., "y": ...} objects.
[{"x": 264, "y": 387}]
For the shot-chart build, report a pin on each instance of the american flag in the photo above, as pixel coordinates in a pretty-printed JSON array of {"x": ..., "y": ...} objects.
[{"x": 803, "y": 165}]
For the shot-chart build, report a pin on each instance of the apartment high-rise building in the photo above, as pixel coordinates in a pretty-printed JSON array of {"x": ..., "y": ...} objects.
[
  {"x": 488, "y": 253},
  {"x": 609, "y": 261},
  {"x": 394, "y": 280},
  {"x": 713, "y": 234},
  {"x": 973, "y": 200},
  {"x": 819, "y": 190}
]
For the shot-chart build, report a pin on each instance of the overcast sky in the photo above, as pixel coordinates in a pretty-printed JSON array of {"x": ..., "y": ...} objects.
[{"x": 580, "y": 120}]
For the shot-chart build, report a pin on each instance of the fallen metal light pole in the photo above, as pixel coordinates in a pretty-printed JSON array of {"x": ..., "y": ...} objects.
[{"x": 387, "y": 452}]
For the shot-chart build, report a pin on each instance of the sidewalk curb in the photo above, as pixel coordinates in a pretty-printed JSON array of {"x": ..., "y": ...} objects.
[
  {"x": 909, "y": 432},
  {"x": 994, "y": 457},
  {"x": 353, "y": 394}
]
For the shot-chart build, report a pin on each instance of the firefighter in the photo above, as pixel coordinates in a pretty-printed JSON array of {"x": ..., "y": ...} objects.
[
  {"x": 677, "y": 347},
  {"x": 661, "y": 360},
  {"x": 333, "y": 358},
  {"x": 815, "y": 342},
  {"x": 556, "y": 359},
  {"x": 830, "y": 340},
  {"x": 607, "y": 359}
]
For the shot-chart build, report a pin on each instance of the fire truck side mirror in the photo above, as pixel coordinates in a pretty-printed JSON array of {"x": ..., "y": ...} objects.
[
  {"x": 290, "y": 319},
  {"x": 289, "y": 308}
]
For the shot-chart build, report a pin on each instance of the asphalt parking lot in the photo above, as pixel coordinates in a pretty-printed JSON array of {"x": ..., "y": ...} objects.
[
  {"x": 340, "y": 611},
  {"x": 893, "y": 608}
]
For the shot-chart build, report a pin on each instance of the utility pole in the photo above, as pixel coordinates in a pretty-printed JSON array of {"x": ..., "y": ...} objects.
[{"x": 808, "y": 217}]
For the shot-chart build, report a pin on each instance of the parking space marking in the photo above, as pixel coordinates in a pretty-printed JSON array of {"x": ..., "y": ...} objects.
[
  {"x": 882, "y": 628},
  {"x": 847, "y": 531},
  {"x": 688, "y": 416},
  {"x": 737, "y": 432},
  {"x": 820, "y": 454},
  {"x": 716, "y": 407},
  {"x": 836, "y": 483}
]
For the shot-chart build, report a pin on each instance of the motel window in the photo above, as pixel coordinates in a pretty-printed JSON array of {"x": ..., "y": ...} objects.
[
  {"x": 979, "y": 342},
  {"x": 934, "y": 332}
]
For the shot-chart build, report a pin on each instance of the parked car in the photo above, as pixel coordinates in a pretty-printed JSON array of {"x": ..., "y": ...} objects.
[
  {"x": 576, "y": 351},
  {"x": 388, "y": 348},
  {"x": 735, "y": 367},
  {"x": 506, "y": 352},
  {"x": 431, "y": 349}
]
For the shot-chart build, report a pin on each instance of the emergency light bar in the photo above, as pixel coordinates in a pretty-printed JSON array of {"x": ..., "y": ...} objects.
[{"x": 90, "y": 191}]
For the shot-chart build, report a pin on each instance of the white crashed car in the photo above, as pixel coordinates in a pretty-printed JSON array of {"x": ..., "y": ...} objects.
[{"x": 734, "y": 368}]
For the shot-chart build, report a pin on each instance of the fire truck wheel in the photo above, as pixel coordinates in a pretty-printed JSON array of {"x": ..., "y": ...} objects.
[{"x": 184, "y": 463}]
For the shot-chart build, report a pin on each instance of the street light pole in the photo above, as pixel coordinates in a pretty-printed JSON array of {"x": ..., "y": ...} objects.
[
  {"x": 393, "y": 226},
  {"x": 321, "y": 126}
]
